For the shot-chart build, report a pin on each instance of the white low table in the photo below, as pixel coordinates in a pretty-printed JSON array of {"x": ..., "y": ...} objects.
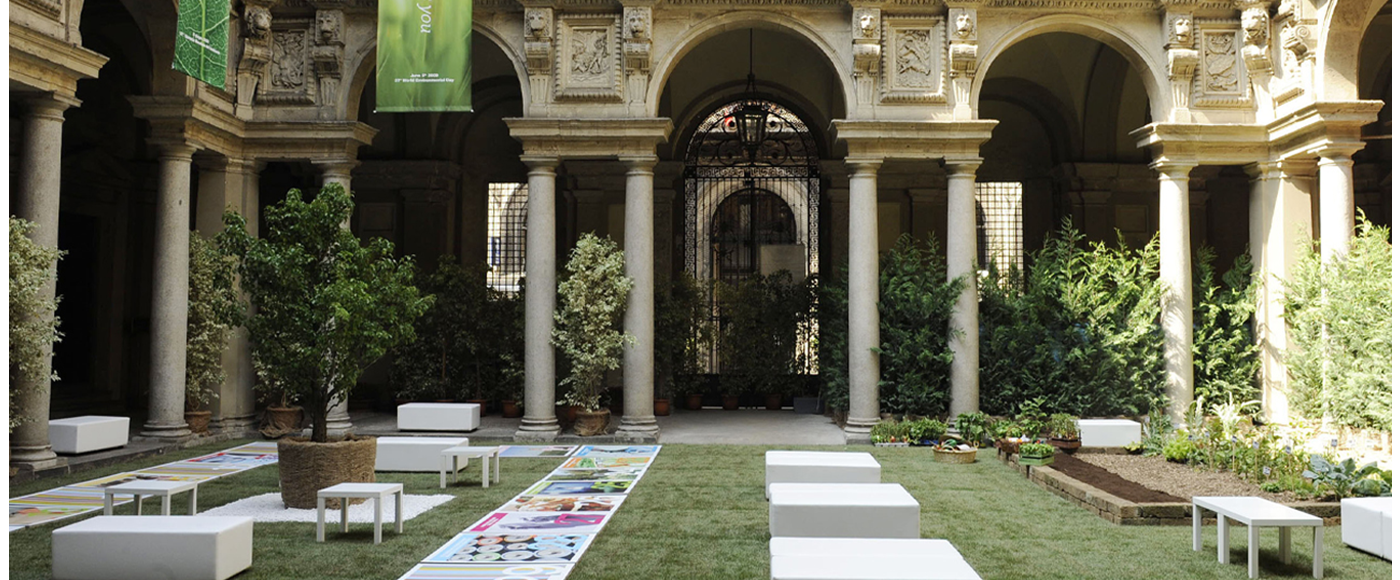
[
  {"x": 128, "y": 548},
  {"x": 439, "y": 416},
  {"x": 1255, "y": 512},
  {"x": 1109, "y": 432},
  {"x": 842, "y": 510},
  {"x": 423, "y": 454},
  {"x": 140, "y": 488},
  {"x": 819, "y": 467},
  {"x": 859, "y": 567},
  {"x": 485, "y": 454},
  {"x": 88, "y": 433},
  {"x": 1366, "y": 523},
  {"x": 347, "y": 491}
]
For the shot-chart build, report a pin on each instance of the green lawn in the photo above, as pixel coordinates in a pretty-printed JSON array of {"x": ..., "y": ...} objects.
[{"x": 700, "y": 513}]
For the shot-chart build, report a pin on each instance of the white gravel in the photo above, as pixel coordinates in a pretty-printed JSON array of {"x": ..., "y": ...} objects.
[{"x": 268, "y": 507}]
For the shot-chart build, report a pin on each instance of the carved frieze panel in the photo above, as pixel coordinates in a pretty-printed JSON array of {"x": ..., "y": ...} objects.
[
  {"x": 1221, "y": 79},
  {"x": 914, "y": 71},
  {"x": 286, "y": 74},
  {"x": 52, "y": 8},
  {"x": 589, "y": 65}
]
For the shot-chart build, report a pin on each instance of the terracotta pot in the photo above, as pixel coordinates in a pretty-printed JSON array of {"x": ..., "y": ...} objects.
[
  {"x": 198, "y": 421},
  {"x": 730, "y": 402},
  {"x": 485, "y": 405},
  {"x": 281, "y": 421},
  {"x": 305, "y": 467},
  {"x": 592, "y": 423},
  {"x": 773, "y": 402},
  {"x": 571, "y": 413},
  {"x": 693, "y": 401},
  {"x": 1069, "y": 446},
  {"x": 661, "y": 407},
  {"x": 510, "y": 410}
]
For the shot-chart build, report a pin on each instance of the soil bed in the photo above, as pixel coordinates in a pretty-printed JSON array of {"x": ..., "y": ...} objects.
[
  {"x": 1182, "y": 481},
  {"x": 1110, "y": 482}
]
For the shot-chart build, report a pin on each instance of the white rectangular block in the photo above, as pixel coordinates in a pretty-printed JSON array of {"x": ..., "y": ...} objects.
[
  {"x": 819, "y": 467},
  {"x": 1366, "y": 524},
  {"x": 88, "y": 433},
  {"x": 148, "y": 547},
  {"x": 412, "y": 453},
  {"x": 865, "y": 547},
  {"x": 439, "y": 416},
  {"x": 858, "y": 567},
  {"x": 842, "y": 510},
  {"x": 1109, "y": 432}
]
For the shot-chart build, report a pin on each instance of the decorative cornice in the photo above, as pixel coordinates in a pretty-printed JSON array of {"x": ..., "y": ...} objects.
[
  {"x": 950, "y": 140},
  {"x": 588, "y": 138},
  {"x": 1321, "y": 126},
  {"x": 1094, "y": 5},
  {"x": 1194, "y": 144},
  {"x": 311, "y": 140},
  {"x": 50, "y": 8},
  {"x": 49, "y": 64}
]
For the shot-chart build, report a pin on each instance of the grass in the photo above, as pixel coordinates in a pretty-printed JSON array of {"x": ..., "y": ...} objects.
[{"x": 700, "y": 513}]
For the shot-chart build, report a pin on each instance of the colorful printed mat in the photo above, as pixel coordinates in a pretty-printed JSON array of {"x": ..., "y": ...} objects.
[
  {"x": 81, "y": 498},
  {"x": 541, "y": 533}
]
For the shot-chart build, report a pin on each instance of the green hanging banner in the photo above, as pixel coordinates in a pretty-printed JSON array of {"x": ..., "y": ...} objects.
[
  {"x": 201, "y": 40},
  {"x": 424, "y": 56}
]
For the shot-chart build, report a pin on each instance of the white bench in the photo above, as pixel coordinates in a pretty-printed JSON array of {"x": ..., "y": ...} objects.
[
  {"x": 1109, "y": 432},
  {"x": 1366, "y": 524},
  {"x": 865, "y": 547},
  {"x": 842, "y": 510},
  {"x": 347, "y": 491},
  {"x": 88, "y": 433},
  {"x": 132, "y": 548},
  {"x": 1255, "y": 512},
  {"x": 413, "y": 453},
  {"x": 819, "y": 467},
  {"x": 858, "y": 567},
  {"x": 485, "y": 454},
  {"x": 139, "y": 489},
  {"x": 439, "y": 416}
]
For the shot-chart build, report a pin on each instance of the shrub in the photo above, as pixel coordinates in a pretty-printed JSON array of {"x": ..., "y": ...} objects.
[
  {"x": 684, "y": 334},
  {"x": 33, "y": 326},
  {"x": 915, "y": 305},
  {"x": 975, "y": 427},
  {"x": 886, "y": 432},
  {"x": 213, "y": 311},
  {"x": 1345, "y": 479},
  {"x": 1225, "y": 355},
  {"x": 1180, "y": 449},
  {"x": 588, "y": 321},
  {"x": 927, "y": 430},
  {"x": 1036, "y": 450},
  {"x": 1338, "y": 318},
  {"x": 1062, "y": 426},
  {"x": 764, "y": 319},
  {"x": 1083, "y": 333}
]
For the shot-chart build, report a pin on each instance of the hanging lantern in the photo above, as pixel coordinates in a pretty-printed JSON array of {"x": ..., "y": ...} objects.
[{"x": 752, "y": 121}]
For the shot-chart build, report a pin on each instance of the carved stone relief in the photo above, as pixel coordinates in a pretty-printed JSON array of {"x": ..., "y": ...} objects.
[
  {"x": 1254, "y": 22},
  {"x": 285, "y": 78},
  {"x": 1222, "y": 63},
  {"x": 589, "y": 64},
  {"x": 636, "y": 50},
  {"x": 913, "y": 67},
  {"x": 328, "y": 54},
  {"x": 257, "y": 53},
  {"x": 539, "y": 51},
  {"x": 1222, "y": 81},
  {"x": 865, "y": 52}
]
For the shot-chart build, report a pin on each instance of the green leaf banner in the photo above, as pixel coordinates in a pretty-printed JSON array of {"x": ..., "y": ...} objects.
[
  {"x": 424, "y": 56},
  {"x": 201, "y": 40}
]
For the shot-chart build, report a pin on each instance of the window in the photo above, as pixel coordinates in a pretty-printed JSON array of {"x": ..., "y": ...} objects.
[
  {"x": 505, "y": 235},
  {"x": 999, "y": 226}
]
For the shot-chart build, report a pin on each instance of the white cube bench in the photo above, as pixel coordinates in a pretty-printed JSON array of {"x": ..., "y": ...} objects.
[
  {"x": 132, "y": 548},
  {"x": 1366, "y": 524},
  {"x": 413, "y": 453},
  {"x": 1109, "y": 432},
  {"x": 842, "y": 510},
  {"x": 865, "y": 547},
  {"x": 819, "y": 467},
  {"x": 88, "y": 433},
  {"x": 858, "y": 567},
  {"x": 439, "y": 416}
]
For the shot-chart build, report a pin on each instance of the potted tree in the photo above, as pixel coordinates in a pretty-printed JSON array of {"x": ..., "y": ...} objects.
[
  {"x": 1064, "y": 432},
  {"x": 213, "y": 309},
  {"x": 587, "y": 326},
  {"x": 327, "y": 305},
  {"x": 683, "y": 336},
  {"x": 33, "y": 326}
]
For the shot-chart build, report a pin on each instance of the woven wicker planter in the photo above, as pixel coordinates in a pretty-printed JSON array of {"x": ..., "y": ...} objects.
[
  {"x": 305, "y": 467},
  {"x": 955, "y": 456}
]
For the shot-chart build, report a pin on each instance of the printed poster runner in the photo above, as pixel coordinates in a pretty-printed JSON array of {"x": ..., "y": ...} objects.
[
  {"x": 527, "y": 522},
  {"x": 537, "y": 450},
  {"x": 580, "y": 487},
  {"x": 518, "y": 548},
  {"x": 563, "y": 504},
  {"x": 80, "y": 498},
  {"x": 605, "y": 462},
  {"x": 596, "y": 474},
  {"x": 488, "y": 571},
  {"x": 617, "y": 450}
]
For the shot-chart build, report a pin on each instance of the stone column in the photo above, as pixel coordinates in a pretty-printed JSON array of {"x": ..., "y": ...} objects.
[
  {"x": 539, "y": 423},
  {"x": 638, "y": 360},
  {"x": 37, "y": 200},
  {"x": 338, "y": 423},
  {"x": 1175, "y": 228},
  {"x": 170, "y": 294},
  {"x": 1336, "y": 205},
  {"x": 962, "y": 261},
  {"x": 863, "y": 318},
  {"x": 223, "y": 185},
  {"x": 1280, "y": 217}
]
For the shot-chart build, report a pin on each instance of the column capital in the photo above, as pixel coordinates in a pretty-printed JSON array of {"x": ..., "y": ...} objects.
[
  {"x": 1280, "y": 168},
  {"x": 335, "y": 167},
  {"x": 1168, "y": 169},
  {"x": 961, "y": 167},
  {"x": 49, "y": 105},
  {"x": 540, "y": 163},
  {"x": 863, "y": 165},
  {"x": 1337, "y": 155},
  {"x": 175, "y": 150},
  {"x": 638, "y": 163}
]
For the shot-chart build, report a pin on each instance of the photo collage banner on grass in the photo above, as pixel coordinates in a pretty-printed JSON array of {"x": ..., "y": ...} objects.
[
  {"x": 424, "y": 56},
  {"x": 80, "y": 498},
  {"x": 541, "y": 533}
]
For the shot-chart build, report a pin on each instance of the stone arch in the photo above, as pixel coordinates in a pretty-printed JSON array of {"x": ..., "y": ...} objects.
[
  {"x": 365, "y": 60},
  {"x": 711, "y": 27},
  {"x": 1339, "y": 43},
  {"x": 1149, "y": 69}
]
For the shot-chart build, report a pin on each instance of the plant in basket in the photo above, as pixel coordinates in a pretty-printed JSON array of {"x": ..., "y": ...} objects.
[
  {"x": 955, "y": 450},
  {"x": 1064, "y": 432},
  {"x": 1036, "y": 454}
]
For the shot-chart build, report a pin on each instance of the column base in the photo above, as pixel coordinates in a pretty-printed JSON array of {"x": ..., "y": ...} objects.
[
  {"x": 538, "y": 430},
  {"x": 858, "y": 431},
  {"x": 158, "y": 431},
  {"x": 639, "y": 429},
  {"x": 36, "y": 458},
  {"x": 242, "y": 424}
]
